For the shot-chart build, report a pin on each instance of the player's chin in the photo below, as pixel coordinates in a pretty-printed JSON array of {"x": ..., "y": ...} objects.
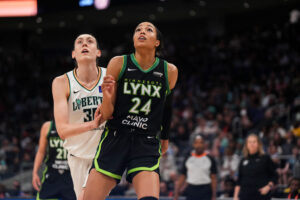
[
  {"x": 141, "y": 44},
  {"x": 87, "y": 58}
]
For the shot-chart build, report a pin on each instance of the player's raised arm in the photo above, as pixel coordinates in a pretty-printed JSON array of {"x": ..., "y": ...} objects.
[
  {"x": 109, "y": 87},
  {"x": 167, "y": 114},
  {"x": 60, "y": 92}
]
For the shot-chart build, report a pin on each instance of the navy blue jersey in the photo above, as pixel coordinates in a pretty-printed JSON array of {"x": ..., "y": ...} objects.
[
  {"x": 141, "y": 96},
  {"x": 56, "y": 157}
]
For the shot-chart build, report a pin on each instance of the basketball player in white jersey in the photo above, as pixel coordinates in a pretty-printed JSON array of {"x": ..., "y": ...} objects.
[{"x": 76, "y": 96}]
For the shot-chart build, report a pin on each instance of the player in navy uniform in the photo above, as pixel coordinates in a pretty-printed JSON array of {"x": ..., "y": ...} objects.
[
  {"x": 140, "y": 104},
  {"x": 56, "y": 182}
]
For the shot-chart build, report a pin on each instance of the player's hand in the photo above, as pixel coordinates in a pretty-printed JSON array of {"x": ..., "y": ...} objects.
[
  {"x": 164, "y": 146},
  {"x": 36, "y": 182},
  {"x": 98, "y": 119},
  {"x": 108, "y": 86},
  {"x": 264, "y": 190}
]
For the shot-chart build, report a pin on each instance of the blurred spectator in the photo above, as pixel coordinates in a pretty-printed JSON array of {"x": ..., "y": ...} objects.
[
  {"x": 164, "y": 190},
  {"x": 3, "y": 192},
  {"x": 228, "y": 191},
  {"x": 16, "y": 190},
  {"x": 289, "y": 144},
  {"x": 292, "y": 192},
  {"x": 230, "y": 163},
  {"x": 294, "y": 189},
  {"x": 3, "y": 166},
  {"x": 167, "y": 167}
]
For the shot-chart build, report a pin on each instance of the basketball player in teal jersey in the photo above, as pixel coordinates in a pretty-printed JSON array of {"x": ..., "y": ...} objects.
[
  {"x": 76, "y": 96},
  {"x": 140, "y": 104},
  {"x": 56, "y": 182}
]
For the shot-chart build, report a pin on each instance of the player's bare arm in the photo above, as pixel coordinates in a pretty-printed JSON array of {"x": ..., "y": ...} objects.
[
  {"x": 60, "y": 92},
  {"x": 39, "y": 157},
  {"x": 109, "y": 87},
  {"x": 172, "y": 76}
]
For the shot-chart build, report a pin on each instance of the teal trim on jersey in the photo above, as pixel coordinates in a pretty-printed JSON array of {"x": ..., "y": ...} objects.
[
  {"x": 101, "y": 75},
  {"x": 138, "y": 65},
  {"x": 74, "y": 74},
  {"x": 107, "y": 173},
  {"x": 167, "y": 77},
  {"x": 123, "y": 67},
  {"x": 69, "y": 86},
  {"x": 147, "y": 168},
  {"x": 43, "y": 180}
]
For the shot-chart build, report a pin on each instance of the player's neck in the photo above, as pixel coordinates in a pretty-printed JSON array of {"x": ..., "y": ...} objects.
[
  {"x": 145, "y": 58},
  {"x": 87, "y": 72}
]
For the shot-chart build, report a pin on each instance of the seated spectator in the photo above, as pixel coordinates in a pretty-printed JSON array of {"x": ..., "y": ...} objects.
[
  {"x": 230, "y": 164},
  {"x": 3, "y": 166},
  {"x": 16, "y": 190},
  {"x": 168, "y": 169},
  {"x": 3, "y": 192},
  {"x": 164, "y": 190},
  {"x": 228, "y": 191},
  {"x": 292, "y": 192}
]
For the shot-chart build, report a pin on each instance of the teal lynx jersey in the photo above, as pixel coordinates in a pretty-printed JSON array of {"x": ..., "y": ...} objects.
[
  {"x": 140, "y": 96},
  {"x": 56, "y": 158}
]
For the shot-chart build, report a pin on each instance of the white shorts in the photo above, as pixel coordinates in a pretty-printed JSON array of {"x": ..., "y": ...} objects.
[{"x": 79, "y": 168}]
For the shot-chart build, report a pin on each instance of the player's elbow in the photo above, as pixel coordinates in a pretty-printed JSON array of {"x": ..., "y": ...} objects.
[
  {"x": 61, "y": 133},
  {"x": 61, "y": 136}
]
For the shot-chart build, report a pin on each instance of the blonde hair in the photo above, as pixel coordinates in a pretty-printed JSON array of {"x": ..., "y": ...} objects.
[{"x": 260, "y": 149}]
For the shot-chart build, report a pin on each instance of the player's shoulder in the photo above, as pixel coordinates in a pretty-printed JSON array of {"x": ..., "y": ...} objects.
[
  {"x": 117, "y": 59},
  {"x": 114, "y": 66},
  {"x": 172, "y": 68},
  {"x": 47, "y": 123},
  {"x": 208, "y": 155},
  {"x": 60, "y": 80},
  {"x": 45, "y": 128},
  {"x": 172, "y": 74}
]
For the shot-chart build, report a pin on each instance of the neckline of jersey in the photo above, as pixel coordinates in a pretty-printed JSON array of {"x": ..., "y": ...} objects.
[
  {"x": 93, "y": 87},
  {"x": 198, "y": 156},
  {"x": 133, "y": 59}
]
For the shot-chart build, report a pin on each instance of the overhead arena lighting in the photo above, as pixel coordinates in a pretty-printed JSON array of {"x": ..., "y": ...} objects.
[
  {"x": 101, "y": 4},
  {"x": 18, "y": 8},
  {"x": 83, "y": 3}
]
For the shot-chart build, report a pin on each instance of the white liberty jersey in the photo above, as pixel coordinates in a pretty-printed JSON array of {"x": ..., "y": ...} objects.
[{"x": 82, "y": 104}]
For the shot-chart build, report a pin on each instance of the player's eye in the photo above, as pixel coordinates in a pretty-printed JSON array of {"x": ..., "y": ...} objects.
[
  {"x": 137, "y": 30},
  {"x": 150, "y": 30},
  {"x": 79, "y": 42}
]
